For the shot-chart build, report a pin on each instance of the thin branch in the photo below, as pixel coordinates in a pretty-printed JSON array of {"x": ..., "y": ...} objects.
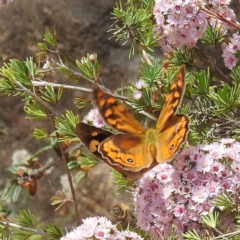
[
  {"x": 37, "y": 98},
  {"x": 226, "y": 235},
  {"x": 221, "y": 17},
  {"x": 65, "y": 160},
  {"x": 51, "y": 110},
  {"x": 148, "y": 115},
  {"x": 57, "y": 85},
  {"x": 38, "y": 172},
  {"x": 9, "y": 224},
  {"x": 145, "y": 55},
  {"x": 218, "y": 73}
]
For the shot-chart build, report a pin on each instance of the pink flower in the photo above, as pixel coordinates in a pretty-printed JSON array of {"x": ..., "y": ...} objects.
[
  {"x": 94, "y": 118},
  {"x": 230, "y": 51},
  {"x": 179, "y": 211},
  {"x": 140, "y": 84},
  {"x": 229, "y": 59},
  {"x": 204, "y": 163},
  {"x": 213, "y": 188},
  {"x": 199, "y": 194},
  {"x": 137, "y": 94}
]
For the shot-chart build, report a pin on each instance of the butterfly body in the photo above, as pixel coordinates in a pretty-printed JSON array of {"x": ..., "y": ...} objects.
[{"x": 135, "y": 150}]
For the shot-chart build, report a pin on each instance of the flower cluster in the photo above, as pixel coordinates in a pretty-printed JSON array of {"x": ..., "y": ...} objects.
[
  {"x": 99, "y": 228},
  {"x": 181, "y": 194},
  {"x": 94, "y": 118},
  {"x": 230, "y": 51},
  {"x": 221, "y": 7},
  {"x": 181, "y": 23}
]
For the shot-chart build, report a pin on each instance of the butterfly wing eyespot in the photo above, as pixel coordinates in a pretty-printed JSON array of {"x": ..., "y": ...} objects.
[
  {"x": 115, "y": 114},
  {"x": 130, "y": 160}
]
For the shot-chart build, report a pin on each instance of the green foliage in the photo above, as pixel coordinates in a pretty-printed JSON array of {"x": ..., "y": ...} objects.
[
  {"x": 135, "y": 23},
  {"x": 121, "y": 184},
  {"x": 224, "y": 201},
  {"x": 40, "y": 133},
  {"x": 53, "y": 231},
  {"x": 50, "y": 95},
  {"x": 82, "y": 103},
  {"x": 35, "y": 110},
  {"x": 50, "y": 39},
  {"x": 89, "y": 67},
  {"x": 85, "y": 160},
  {"x": 212, "y": 219},
  {"x": 226, "y": 98},
  {"x": 151, "y": 73},
  {"x": 183, "y": 56},
  {"x": 200, "y": 84},
  {"x": 66, "y": 126},
  {"x": 192, "y": 235},
  {"x": 213, "y": 36},
  {"x": 83, "y": 164},
  {"x": 26, "y": 218},
  {"x": 11, "y": 191}
]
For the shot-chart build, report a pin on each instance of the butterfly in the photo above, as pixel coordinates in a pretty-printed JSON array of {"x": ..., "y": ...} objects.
[{"x": 136, "y": 150}]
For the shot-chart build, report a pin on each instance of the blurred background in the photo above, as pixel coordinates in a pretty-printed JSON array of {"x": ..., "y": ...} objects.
[{"x": 81, "y": 27}]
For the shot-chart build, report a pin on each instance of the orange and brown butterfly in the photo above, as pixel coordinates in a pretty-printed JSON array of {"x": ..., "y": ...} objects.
[{"x": 136, "y": 150}]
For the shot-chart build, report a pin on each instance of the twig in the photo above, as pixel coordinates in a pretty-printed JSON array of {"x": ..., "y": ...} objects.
[
  {"x": 145, "y": 55},
  {"x": 221, "y": 17},
  {"x": 8, "y": 224},
  {"x": 226, "y": 235},
  {"x": 38, "y": 99},
  {"x": 219, "y": 74},
  {"x": 40, "y": 171},
  {"x": 64, "y": 158},
  {"x": 51, "y": 110},
  {"x": 58, "y": 85},
  {"x": 147, "y": 115}
]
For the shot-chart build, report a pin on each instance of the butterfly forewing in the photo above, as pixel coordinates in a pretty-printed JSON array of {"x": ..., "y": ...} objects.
[
  {"x": 116, "y": 114},
  {"x": 173, "y": 98}
]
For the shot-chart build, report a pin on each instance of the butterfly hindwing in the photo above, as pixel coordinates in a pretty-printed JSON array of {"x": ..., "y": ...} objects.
[
  {"x": 171, "y": 137},
  {"x": 92, "y": 137},
  {"x": 127, "y": 150}
]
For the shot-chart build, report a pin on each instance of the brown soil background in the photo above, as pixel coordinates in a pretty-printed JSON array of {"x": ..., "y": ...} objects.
[{"x": 81, "y": 27}]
